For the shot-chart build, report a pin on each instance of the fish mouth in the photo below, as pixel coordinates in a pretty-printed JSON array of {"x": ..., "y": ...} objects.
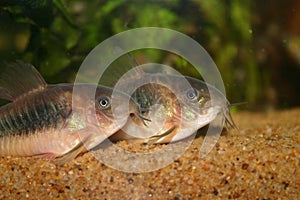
[
  {"x": 135, "y": 110},
  {"x": 224, "y": 110},
  {"x": 121, "y": 113}
]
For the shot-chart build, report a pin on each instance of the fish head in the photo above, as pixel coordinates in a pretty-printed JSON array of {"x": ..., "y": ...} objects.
[
  {"x": 100, "y": 111},
  {"x": 113, "y": 108},
  {"x": 202, "y": 102},
  {"x": 197, "y": 104}
]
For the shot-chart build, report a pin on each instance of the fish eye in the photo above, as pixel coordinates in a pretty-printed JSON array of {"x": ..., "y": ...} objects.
[
  {"x": 192, "y": 94},
  {"x": 104, "y": 102}
]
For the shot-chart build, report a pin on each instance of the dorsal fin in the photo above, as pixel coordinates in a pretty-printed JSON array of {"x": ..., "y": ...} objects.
[
  {"x": 18, "y": 79},
  {"x": 119, "y": 67}
]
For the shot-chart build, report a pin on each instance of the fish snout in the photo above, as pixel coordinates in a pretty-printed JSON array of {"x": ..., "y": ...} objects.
[
  {"x": 122, "y": 108},
  {"x": 215, "y": 106},
  {"x": 137, "y": 111}
]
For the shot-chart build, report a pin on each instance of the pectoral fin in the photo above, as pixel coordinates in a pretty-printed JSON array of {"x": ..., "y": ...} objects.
[
  {"x": 70, "y": 155},
  {"x": 167, "y": 137}
]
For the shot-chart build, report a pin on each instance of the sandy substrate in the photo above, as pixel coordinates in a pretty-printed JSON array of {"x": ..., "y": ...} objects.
[{"x": 261, "y": 161}]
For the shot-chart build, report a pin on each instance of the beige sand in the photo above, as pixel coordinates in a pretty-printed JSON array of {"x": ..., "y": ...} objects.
[{"x": 259, "y": 162}]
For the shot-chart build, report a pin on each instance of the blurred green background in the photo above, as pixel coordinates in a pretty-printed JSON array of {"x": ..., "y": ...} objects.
[{"x": 255, "y": 45}]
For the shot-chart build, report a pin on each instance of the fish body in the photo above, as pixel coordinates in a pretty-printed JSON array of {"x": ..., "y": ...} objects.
[
  {"x": 186, "y": 104},
  {"x": 51, "y": 120}
]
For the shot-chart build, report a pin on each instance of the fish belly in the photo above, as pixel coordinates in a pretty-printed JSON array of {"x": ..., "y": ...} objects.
[{"x": 49, "y": 144}]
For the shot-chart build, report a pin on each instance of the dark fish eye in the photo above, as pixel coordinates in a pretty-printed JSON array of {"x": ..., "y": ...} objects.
[
  {"x": 104, "y": 102},
  {"x": 192, "y": 94}
]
